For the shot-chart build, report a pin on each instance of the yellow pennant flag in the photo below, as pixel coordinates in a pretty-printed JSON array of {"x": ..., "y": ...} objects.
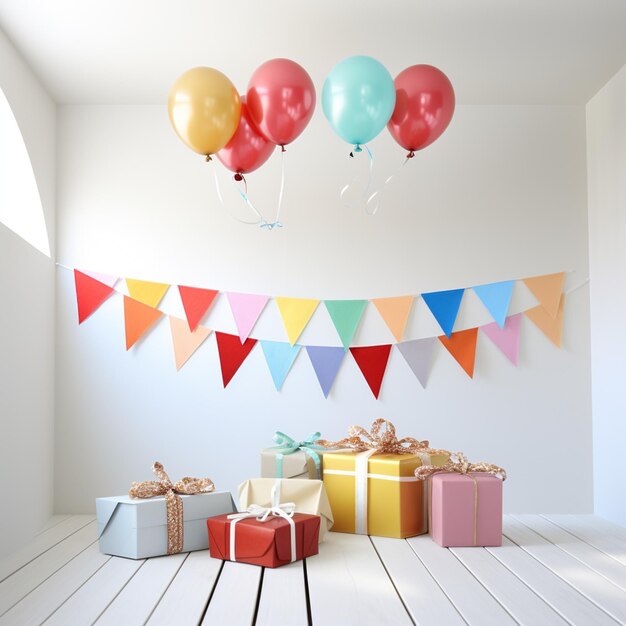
[
  {"x": 547, "y": 289},
  {"x": 185, "y": 341},
  {"x": 296, "y": 313},
  {"x": 145, "y": 291},
  {"x": 395, "y": 313},
  {"x": 551, "y": 327}
]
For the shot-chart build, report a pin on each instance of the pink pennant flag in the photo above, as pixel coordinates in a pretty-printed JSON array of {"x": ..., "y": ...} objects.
[
  {"x": 246, "y": 308},
  {"x": 506, "y": 338}
]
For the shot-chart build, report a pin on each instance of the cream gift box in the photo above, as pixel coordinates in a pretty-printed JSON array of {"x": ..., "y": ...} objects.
[{"x": 137, "y": 529}]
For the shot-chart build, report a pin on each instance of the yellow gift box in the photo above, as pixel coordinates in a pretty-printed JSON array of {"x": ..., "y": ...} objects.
[{"x": 390, "y": 501}]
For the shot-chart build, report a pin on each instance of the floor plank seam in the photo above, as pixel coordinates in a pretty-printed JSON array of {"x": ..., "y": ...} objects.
[
  {"x": 258, "y": 597},
  {"x": 46, "y": 550},
  {"x": 47, "y": 578},
  {"x": 206, "y": 606},
  {"x": 169, "y": 584},
  {"x": 112, "y": 600},
  {"x": 392, "y": 582},
  {"x": 481, "y": 584},
  {"x": 307, "y": 596},
  {"x": 456, "y": 608},
  {"x": 582, "y": 593},
  {"x": 45, "y": 530},
  {"x": 75, "y": 590}
]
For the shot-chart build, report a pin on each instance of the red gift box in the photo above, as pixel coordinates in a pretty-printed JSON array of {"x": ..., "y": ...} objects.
[{"x": 266, "y": 543}]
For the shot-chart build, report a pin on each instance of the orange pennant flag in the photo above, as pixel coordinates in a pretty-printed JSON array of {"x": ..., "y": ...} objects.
[
  {"x": 462, "y": 346},
  {"x": 395, "y": 313},
  {"x": 547, "y": 289},
  {"x": 552, "y": 328},
  {"x": 145, "y": 291},
  {"x": 138, "y": 318},
  {"x": 186, "y": 342}
]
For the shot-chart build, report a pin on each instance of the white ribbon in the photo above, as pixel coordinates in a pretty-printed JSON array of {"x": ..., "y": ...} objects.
[{"x": 262, "y": 514}]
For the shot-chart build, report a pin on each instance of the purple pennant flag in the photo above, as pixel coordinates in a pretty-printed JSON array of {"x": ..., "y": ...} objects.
[
  {"x": 326, "y": 361},
  {"x": 419, "y": 355}
]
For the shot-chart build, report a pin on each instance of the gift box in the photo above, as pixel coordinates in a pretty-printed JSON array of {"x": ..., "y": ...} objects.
[
  {"x": 293, "y": 459},
  {"x": 271, "y": 543},
  {"x": 309, "y": 496},
  {"x": 377, "y": 494},
  {"x": 137, "y": 529},
  {"x": 159, "y": 517},
  {"x": 466, "y": 509}
]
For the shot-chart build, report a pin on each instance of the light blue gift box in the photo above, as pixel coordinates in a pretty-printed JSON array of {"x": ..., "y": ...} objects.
[{"x": 137, "y": 528}]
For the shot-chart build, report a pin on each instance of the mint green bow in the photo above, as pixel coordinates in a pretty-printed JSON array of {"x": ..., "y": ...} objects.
[{"x": 287, "y": 445}]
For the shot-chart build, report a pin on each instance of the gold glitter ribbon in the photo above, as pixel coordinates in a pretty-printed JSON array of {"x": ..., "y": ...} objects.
[
  {"x": 380, "y": 441},
  {"x": 459, "y": 464},
  {"x": 173, "y": 502}
]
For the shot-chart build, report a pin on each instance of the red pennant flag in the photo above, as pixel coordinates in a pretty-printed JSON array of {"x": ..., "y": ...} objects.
[
  {"x": 232, "y": 354},
  {"x": 372, "y": 361},
  {"x": 90, "y": 294},
  {"x": 196, "y": 303},
  {"x": 138, "y": 317},
  {"x": 462, "y": 346}
]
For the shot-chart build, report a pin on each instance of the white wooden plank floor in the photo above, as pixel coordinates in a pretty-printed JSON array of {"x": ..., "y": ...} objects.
[{"x": 550, "y": 570}]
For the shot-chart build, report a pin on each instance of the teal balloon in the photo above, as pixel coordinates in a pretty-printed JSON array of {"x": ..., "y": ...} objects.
[{"x": 358, "y": 98}]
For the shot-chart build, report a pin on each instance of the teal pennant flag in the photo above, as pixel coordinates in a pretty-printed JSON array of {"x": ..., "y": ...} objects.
[
  {"x": 346, "y": 315},
  {"x": 279, "y": 357},
  {"x": 496, "y": 297},
  {"x": 444, "y": 305}
]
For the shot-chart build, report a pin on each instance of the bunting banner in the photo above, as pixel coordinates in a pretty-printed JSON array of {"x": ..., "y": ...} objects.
[{"x": 143, "y": 298}]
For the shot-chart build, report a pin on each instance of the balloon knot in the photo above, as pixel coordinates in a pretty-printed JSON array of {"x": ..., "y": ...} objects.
[
  {"x": 208, "y": 158},
  {"x": 238, "y": 177},
  {"x": 358, "y": 148},
  {"x": 410, "y": 155},
  {"x": 282, "y": 147}
]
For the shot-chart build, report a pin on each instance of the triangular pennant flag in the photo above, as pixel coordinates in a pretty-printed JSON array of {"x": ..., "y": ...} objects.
[
  {"x": 462, "y": 346},
  {"x": 395, "y": 313},
  {"x": 232, "y": 354},
  {"x": 185, "y": 341},
  {"x": 296, "y": 313},
  {"x": 346, "y": 315},
  {"x": 496, "y": 297},
  {"x": 145, "y": 291},
  {"x": 326, "y": 361},
  {"x": 372, "y": 361},
  {"x": 138, "y": 318},
  {"x": 547, "y": 289},
  {"x": 196, "y": 303},
  {"x": 90, "y": 294},
  {"x": 105, "y": 279},
  {"x": 507, "y": 338},
  {"x": 551, "y": 327},
  {"x": 418, "y": 353},
  {"x": 444, "y": 305},
  {"x": 246, "y": 308},
  {"x": 279, "y": 357}
]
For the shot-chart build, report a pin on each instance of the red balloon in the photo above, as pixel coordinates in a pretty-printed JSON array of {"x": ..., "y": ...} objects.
[
  {"x": 424, "y": 106},
  {"x": 281, "y": 100},
  {"x": 248, "y": 149}
]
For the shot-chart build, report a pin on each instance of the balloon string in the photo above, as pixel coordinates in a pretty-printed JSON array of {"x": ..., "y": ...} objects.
[
  {"x": 381, "y": 188},
  {"x": 221, "y": 199},
  {"x": 277, "y": 223},
  {"x": 354, "y": 179}
]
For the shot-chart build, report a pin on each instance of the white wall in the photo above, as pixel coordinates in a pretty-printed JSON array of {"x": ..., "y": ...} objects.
[
  {"x": 606, "y": 171},
  {"x": 501, "y": 195},
  {"x": 27, "y": 324}
]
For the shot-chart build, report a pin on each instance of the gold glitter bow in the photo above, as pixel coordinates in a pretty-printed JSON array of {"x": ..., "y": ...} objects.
[
  {"x": 381, "y": 441},
  {"x": 458, "y": 463},
  {"x": 173, "y": 502}
]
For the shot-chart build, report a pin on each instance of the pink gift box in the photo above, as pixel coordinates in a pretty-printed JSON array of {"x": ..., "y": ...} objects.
[{"x": 465, "y": 510}]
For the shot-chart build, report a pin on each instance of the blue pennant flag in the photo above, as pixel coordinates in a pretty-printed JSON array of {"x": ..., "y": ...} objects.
[
  {"x": 326, "y": 361},
  {"x": 279, "y": 357},
  {"x": 496, "y": 297},
  {"x": 444, "y": 305}
]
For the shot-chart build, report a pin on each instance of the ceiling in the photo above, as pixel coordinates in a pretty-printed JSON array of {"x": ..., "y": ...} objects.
[{"x": 494, "y": 51}]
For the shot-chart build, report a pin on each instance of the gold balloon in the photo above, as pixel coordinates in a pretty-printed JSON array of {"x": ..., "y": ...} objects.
[{"x": 204, "y": 108}]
